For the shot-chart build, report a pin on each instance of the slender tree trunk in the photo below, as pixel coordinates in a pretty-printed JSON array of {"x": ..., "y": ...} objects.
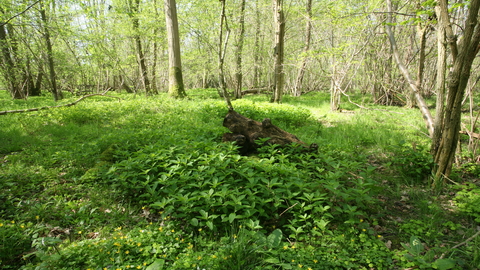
[
  {"x": 418, "y": 96},
  {"x": 256, "y": 53},
  {"x": 279, "y": 76},
  {"x": 308, "y": 34},
  {"x": 422, "y": 33},
  {"x": 443, "y": 16},
  {"x": 334, "y": 89},
  {"x": 155, "y": 52},
  {"x": 238, "y": 52},
  {"x": 154, "y": 88},
  {"x": 57, "y": 94},
  {"x": 176, "y": 88},
  {"x": 222, "y": 46},
  {"x": 440, "y": 82},
  {"x": 9, "y": 66},
  {"x": 135, "y": 7},
  {"x": 457, "y": 82}
]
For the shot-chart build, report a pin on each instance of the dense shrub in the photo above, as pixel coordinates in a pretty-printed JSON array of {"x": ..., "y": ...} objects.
[{"x": 205, "y": 185}]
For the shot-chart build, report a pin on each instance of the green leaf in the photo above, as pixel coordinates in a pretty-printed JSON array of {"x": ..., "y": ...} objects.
[
  {"x": 156, "y": 265},
  {"x": 444, "y": 264},
  {"x": 232, "y": 217},
  {"x": 272, "y": 260},
  {"x": 210, "y": 225},
  {"x": 274, "y": 239},
  {"x": 194, "y": 222}
]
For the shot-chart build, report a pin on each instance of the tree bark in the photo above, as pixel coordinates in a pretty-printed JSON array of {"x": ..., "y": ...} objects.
[
  {"x": 176, "y": 87},
  {"x": 222, "y": 49},
  {"x": 238, "y": 52},
  {"x": 9, "y": 73},
  {"x": 256, "y": 58},
  {"x": 279, "y": 76},
  {"x": 135, "y": 6},
  {"x": 57, "y": 94},
  {"x": 440, "y": 81},
  {"x": 308, "y": 34},
  {"x": 457, "y": 82}
]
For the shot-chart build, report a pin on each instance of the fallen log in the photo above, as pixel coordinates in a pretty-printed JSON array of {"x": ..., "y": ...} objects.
[
  {"x": 245, "y": 132},
  {"x": 57, "y": 106},
  {"x": 256, "y": 91}
]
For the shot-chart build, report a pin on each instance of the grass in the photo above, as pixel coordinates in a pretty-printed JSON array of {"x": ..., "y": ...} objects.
[{"x": 147, "y": 182}]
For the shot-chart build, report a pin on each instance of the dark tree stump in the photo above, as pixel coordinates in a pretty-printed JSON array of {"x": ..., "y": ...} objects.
[{"x": 245, "y": 132}]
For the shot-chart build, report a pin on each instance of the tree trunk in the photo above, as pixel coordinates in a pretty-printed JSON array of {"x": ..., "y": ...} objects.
[
  {"x": 334, "y": 89},
  {"x": 156, "y": 30},
  {"x": 238, "y": 52},
  {"x": 422, "y": 33},
  {"x": 57, "y": 94},
  {"x": 138, "y": 45},
  {"x": 308, "y": 34},
  {"x": 418, "y": 96},
  {"x": 457, "y": 82},
  {"x": 176, "y": 88},
  {"x": 440, "y": 82},
  {"x": 222, "y": 49},
  {"x": 9, "y": 72},
  {"x": 279, "y": 76},
  {"x": 256, "y": 53}
]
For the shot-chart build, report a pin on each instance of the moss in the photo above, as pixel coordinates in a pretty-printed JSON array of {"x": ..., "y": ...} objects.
[{"x": 176, "y": 89}]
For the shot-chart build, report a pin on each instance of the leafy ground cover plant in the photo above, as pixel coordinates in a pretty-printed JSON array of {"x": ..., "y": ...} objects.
[{"x": 343, "y": 207}]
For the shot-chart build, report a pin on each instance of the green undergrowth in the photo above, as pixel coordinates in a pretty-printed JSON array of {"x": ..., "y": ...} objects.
[{"x": 146, "y": 183}]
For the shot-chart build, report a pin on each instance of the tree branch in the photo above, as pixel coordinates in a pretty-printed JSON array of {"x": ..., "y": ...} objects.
[
  {"x": 58, "y": 106},
  {"x": 25, "y": 10}
]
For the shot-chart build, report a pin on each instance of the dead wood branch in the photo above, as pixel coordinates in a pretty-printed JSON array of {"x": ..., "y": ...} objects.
[
  {"x": 58, "y": 106},
  {"x": 245, "y": 132}
]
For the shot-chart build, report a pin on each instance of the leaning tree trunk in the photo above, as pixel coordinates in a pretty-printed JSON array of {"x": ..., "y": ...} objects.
[
  {"x": 413, "y": 85},
  {"x": 279, "y": 76},
  {"x": 457, "y": 82}
]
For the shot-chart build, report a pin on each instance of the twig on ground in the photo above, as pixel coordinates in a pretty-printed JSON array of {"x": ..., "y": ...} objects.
[{"x": 463, "y": 243}]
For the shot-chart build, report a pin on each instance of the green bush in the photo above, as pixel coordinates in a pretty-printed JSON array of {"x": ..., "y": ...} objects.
[
  {"x": 468, "y": 201},
  {"x": 209, "y": 185},
  {"x": 414, "y": 162}
]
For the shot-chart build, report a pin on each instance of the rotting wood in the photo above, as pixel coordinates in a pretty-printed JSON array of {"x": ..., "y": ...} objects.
[{"x": 245, "y": 132}]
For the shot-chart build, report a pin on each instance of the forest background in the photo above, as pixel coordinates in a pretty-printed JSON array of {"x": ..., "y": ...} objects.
[{"x": 359, "y": 56}]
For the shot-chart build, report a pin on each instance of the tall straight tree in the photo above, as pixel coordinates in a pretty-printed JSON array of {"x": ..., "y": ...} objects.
[
  {"x": 238, "y": 52},
  {"x": 57, "y": 94},
  {"x": 134, "y": 8},
  {"x": 176, "y": 88},
  {"x": 222, "y": 49},
  {"x": 279, "y": 76}
]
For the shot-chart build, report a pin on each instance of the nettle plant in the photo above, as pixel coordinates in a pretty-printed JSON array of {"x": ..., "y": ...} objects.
[{"x": 208, "y": 185}]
